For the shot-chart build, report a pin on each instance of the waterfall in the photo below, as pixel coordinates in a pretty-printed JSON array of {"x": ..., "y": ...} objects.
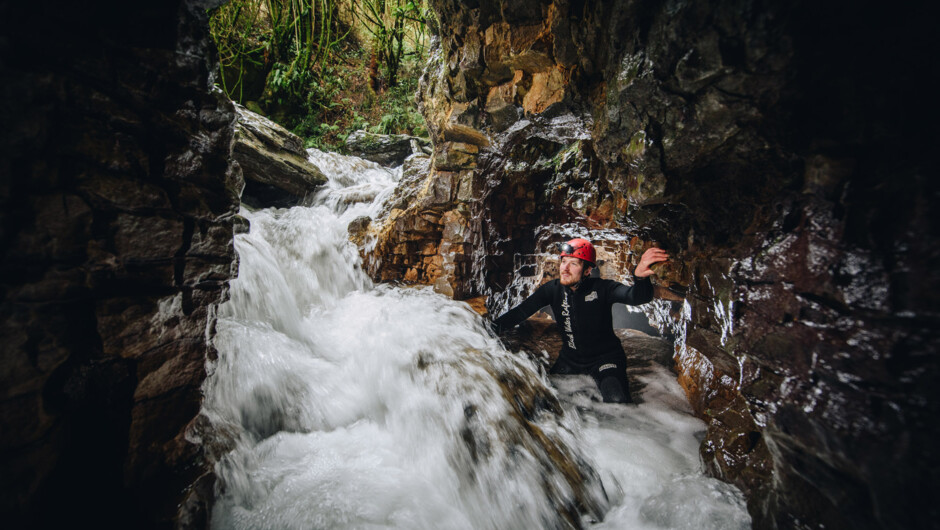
[{"x": 336, "y": 403}]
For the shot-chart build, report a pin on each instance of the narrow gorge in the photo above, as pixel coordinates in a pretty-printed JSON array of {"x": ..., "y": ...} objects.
[{"x": 779, "y": 153}]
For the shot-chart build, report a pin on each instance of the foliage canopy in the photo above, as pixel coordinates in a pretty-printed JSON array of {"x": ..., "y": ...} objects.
[{"x": 324, "y": 68}]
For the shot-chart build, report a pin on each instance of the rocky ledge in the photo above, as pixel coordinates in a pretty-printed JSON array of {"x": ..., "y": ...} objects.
[
  {"x": 274, "y": 162},
  {"x": 389, "y": 150}
]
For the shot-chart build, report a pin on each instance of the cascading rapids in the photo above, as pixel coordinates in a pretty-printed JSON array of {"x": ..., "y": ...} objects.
[{"x": 349, "y": 405}]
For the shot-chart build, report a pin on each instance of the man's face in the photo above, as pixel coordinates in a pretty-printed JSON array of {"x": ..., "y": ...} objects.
[{"x": 571, "y": 270}]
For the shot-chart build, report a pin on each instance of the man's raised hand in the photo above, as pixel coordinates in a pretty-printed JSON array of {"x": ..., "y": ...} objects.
[{"x": 651, "y": 256}]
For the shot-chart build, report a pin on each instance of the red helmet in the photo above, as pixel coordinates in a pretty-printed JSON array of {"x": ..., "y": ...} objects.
[{"x": 580, "y": 248}]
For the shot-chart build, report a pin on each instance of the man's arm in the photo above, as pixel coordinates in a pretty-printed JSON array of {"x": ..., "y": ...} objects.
[
  {"x": 651, "y": 256},
  {"x": 537, "y": 300},
  {"x": 639, "y": 293},
  {"x": 642, "y": 290}
]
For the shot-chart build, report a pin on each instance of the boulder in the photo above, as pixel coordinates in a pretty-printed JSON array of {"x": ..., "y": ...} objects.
[
  {"x": 274, "y": 162},
  {"x": 389, "y": 150}
]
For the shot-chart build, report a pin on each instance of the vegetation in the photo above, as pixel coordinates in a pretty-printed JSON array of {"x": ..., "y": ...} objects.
[
  {"x": 391, "y": 22},
  {"x": 325, "y": 68}
]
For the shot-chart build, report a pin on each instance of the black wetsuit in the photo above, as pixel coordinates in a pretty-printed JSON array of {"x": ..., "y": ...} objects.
[{"x": 584, "y": 319}]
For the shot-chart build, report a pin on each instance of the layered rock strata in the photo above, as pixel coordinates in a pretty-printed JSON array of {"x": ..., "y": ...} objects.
[
  {"x": 274, "y": 163},
  {"x": 389, "y": 150},
  {"x": 756, "y": 143},
  {"x": 117, "y": 203}
]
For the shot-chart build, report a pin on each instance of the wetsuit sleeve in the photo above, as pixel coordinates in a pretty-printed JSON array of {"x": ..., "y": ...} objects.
[
  {"x": 640, "y": 292},
  {"x": 537, "y": 300}
]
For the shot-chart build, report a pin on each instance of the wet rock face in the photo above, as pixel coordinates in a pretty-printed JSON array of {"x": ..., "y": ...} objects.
[
  {"x": 116, "y": 205},
  {"x": 274, "y": 162},
  {"x": 389, "y": 150},
  {"x": 786, "y": 176}
]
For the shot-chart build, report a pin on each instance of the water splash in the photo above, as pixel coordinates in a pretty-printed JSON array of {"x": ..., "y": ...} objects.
[{"x": 353, "y": 183}]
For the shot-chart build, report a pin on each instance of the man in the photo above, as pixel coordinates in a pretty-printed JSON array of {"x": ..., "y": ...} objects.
[{"x": 582, "y": 309}]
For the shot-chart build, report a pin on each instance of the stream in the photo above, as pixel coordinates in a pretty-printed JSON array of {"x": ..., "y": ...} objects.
[{"x": 346, "y": 404}]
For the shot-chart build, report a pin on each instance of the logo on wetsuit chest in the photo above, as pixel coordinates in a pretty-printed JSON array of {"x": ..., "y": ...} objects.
[
  {"x": 566, "y": 313},
  {"x": 590, "y": 297}
]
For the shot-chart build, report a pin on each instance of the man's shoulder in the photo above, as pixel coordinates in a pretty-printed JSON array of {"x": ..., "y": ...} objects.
[
  {"x": 604, "y": 283},
  {"x": 604, "y": 286}
]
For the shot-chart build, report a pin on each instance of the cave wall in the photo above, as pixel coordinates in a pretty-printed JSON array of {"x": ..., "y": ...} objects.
[
  {"x": 778, "y": 152},
  {"x": 116, "y": 210}
]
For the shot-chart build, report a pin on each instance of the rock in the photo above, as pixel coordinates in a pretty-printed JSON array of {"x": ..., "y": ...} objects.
[
  {"x": 796, "y": 212},
  {"x": 241, "y": 225},
  {"x": 415, "y": 170},
  {"x": 117, "y": 205},
  {"x": 274, "y": 162},
  {"x": 358, "y": 226},
  {"x": 389, "y": 150},
  {"x": 454, "y": 156},
  {"x": 530, "y": 426}
]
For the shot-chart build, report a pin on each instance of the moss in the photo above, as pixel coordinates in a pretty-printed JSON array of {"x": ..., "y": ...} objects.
[
  {"x": 635, "y": 147},
  {"x": 564, "y": 154}
]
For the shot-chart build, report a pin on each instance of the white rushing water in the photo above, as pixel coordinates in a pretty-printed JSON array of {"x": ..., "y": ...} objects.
[{"x": 350, "y": 405}]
